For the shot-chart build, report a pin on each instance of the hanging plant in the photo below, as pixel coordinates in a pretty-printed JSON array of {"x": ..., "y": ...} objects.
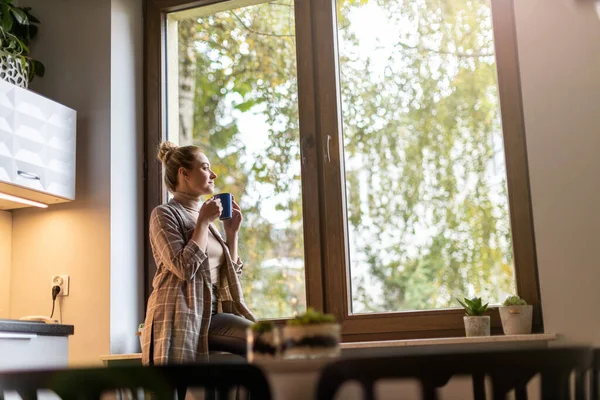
[{"x": 18, "y": 27}]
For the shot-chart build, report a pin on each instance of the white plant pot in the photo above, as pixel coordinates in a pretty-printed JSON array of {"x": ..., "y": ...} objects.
[
  {"x": 516, "y": 320},
  {"x": 139, "y": 335},
  {"x": 262, "y": 345},
  {"x": 311, "y": 341},
  {"x": 477, "y": 326},
  {"x": 13, "y": 71}
]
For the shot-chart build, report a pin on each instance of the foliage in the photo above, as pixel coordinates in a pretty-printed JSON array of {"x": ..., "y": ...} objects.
[
  {"x": 514, "y": 301},
  {"x": 311, "y": 317},
  {"x": 473, "y": 307},
  {"x": 262, "y": 326},
  {"x": 424, "y": 166},
  {"x": 18, "y": 27}
]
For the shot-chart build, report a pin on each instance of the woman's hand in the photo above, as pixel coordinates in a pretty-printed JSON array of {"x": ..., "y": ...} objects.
[
  {"x": 232, "y": 225},
  {"x": 210, "y": 211}
]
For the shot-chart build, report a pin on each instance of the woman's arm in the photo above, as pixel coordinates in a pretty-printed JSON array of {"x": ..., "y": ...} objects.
[
  {"x": 232, "y": 228},
  {"x": 181, "y": 258},
  {"x": 232, "y": 244}
]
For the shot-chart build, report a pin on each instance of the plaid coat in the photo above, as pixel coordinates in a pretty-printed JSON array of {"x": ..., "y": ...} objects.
[{"x": 179, "y": 308}]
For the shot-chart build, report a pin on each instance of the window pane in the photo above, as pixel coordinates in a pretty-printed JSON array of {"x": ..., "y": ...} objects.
[
  {"x": 424, "y": 161},
  {"x": 232, "y": 89}
]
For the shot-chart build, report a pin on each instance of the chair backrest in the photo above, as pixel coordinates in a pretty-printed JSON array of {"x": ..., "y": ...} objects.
[
  {"x": 162, "y": 381},
  {"x": 507, "y": 370},
  {"x": 595, "y": 378}
]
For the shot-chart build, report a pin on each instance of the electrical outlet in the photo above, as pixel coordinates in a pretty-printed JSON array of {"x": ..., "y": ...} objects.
[{"x": 63, "y": 282}]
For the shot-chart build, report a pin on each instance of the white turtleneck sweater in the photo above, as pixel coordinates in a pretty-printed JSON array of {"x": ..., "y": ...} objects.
[
  {"x": 216, "y": 257},
  {"x": 214, "y": 249}
]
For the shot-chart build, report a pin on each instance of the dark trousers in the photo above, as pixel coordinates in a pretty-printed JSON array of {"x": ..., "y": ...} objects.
[{"x": 227, "y": 332}]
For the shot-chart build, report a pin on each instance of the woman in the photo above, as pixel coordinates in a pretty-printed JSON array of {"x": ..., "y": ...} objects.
[{"x": 196, "y": 304}]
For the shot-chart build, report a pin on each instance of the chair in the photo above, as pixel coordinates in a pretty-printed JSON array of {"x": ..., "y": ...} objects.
[
  {"x": 161, "y": 381},
  {"x": 507, "y": 370},
  {"x": 595, "y": 378}
]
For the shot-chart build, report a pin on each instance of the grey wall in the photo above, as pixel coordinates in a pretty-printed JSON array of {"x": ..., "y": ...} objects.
[
  {"x": 126, "y": 176},
  {"x": 72, "y": 238},
  {"x": 559, "y": 50},
  {"x": 93, "y": 54}
]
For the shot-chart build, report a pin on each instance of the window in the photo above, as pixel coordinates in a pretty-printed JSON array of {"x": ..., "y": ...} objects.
[
  {"x": 232, "y": 90},
  {"x": 365, "y": 142},
  {"x": 426, "y": 193}
]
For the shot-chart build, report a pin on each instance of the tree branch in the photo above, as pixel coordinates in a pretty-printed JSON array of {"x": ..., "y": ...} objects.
[
  {"x": 450, "y": 53},
  {"x": 256, "y": 32}
]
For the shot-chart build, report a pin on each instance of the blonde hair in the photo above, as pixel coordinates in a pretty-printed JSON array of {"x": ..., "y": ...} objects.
[{"x": 174, "y": 157}]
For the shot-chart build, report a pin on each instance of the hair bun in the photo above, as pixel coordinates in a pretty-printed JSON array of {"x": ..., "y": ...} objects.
[{"x": 165, "y": 151}]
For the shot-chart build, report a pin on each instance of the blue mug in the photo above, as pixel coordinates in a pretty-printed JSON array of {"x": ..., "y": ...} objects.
[{"x": 226, "y": 202}]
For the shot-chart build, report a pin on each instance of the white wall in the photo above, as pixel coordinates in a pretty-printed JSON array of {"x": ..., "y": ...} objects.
[
  {"x": 559, "y": 50},
  {"x": 5, "y": 261},
  {"x": 126, "y": 176}
]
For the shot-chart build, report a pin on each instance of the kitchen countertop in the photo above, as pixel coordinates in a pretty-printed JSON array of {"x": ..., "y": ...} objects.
[{"x": 39, "y": 328}]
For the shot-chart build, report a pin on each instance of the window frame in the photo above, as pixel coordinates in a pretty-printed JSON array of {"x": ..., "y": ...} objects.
[{"x": 325, "y": 228}]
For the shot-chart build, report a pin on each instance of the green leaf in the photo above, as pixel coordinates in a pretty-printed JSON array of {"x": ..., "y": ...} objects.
[
  {"x": 31, "y": 18},
  {"x": 466, "y": 307},
  {"x": 23, "y": 46},
  {"x": 33, "y": 31},
  {"x": 20, "y": 16},
  {"x": 471, "y": 303},
  {"x": 7, "y": 21},
  {"x": 245, "y": 106},
  {"x": 38, "y": 68}
]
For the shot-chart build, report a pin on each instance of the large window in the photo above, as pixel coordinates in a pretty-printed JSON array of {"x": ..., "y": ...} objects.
[
  {"x": 232, "y": 90},
  {"x": 366, "y": 145},
  {"x": 424, "y": 163}
]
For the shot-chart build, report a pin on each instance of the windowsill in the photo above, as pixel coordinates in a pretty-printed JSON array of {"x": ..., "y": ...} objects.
[
  {"x": 535, "y": 337},
  {"x": 412, "y": 346},
  {"x": 389, "y": 347}
]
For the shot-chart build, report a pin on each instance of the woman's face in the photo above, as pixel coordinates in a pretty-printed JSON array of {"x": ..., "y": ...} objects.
[{"x": 200, "y": 180}]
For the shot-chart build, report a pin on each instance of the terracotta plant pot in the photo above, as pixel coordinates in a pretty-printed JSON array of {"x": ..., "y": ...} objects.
[
  {"x": 516, "y": 320},
  {"x": 477, "y": 326}
]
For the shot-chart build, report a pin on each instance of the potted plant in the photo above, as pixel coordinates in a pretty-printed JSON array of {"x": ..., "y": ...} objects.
[
  {"x": 311, "y": 335},
  {"x": 263, "y": 341},
  {"x": 476, "y": 324},
  {"x": 516, "y": 316},
  {"x": 139, "y": 332},
  {"x": 18, "y": 27}
]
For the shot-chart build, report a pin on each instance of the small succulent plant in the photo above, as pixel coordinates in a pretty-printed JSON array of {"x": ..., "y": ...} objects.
[
  {"x": 141, "y": 326},
  {"x": 514, "y": 301},
  {"x": 473, "y": 307},
  {"x": 311, "y": 317},
  {"x": 262, "y": 326}
]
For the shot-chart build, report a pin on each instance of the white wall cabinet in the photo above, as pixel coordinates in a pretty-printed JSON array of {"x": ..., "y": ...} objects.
[{"x": 37, "y": 147}]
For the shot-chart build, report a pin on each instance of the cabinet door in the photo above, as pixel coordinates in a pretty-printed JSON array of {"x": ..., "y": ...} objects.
[
  {"x": 59, "y": 133},
  {"x": 37, "y": 142},
  {"x": 30, "y": 351}
]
